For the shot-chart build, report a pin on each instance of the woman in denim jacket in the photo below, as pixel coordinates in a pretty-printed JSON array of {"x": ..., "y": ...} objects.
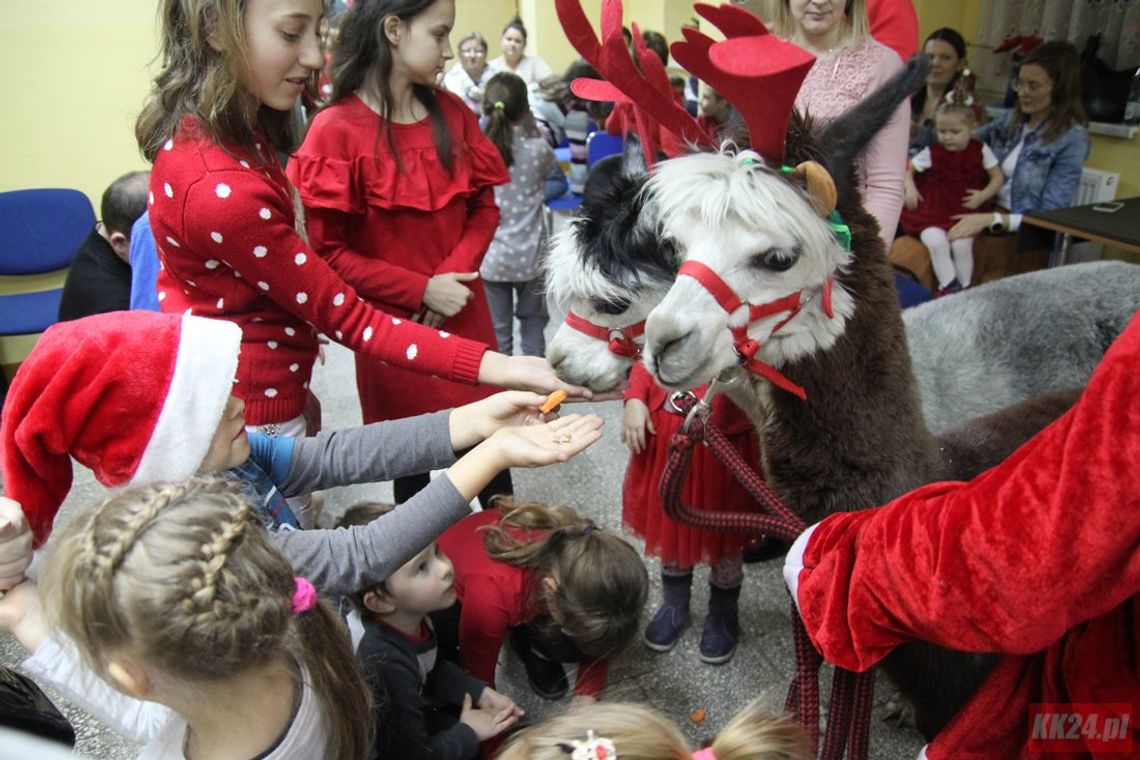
[{"x": 1041, "y": 144}]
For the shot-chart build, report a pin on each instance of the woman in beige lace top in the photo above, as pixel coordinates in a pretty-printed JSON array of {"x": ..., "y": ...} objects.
[{"x": 850, "y": 65}]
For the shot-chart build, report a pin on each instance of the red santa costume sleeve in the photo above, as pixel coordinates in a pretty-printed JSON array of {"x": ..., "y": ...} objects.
[{"x": 1008, "y": 562}]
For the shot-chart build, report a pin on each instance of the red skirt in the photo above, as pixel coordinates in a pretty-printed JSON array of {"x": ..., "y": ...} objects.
[{"x": 709, "y": 487}]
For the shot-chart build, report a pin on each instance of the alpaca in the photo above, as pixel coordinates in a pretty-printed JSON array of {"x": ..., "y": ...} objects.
[
  {"x": 981, "y": 351},
  {"x": 858, "y": 438}
]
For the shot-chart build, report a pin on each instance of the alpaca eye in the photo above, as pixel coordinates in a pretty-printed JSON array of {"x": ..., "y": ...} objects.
[
  {"x": 613, "y": 308},
  {"x": 776, "y": 259}
]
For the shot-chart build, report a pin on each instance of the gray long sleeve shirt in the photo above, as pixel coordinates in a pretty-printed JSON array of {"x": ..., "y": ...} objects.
[{"x": 344, "y": 560}]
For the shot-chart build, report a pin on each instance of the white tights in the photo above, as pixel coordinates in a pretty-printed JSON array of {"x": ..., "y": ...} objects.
[{"x": 951, "y": 258}]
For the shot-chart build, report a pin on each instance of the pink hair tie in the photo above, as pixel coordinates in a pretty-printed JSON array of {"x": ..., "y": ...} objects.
[
  {"x": 304, "y": 595},
  {"x": 704, "y": 754}
]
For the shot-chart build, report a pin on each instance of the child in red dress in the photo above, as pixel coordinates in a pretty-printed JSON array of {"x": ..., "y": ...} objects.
[
  {"x": 224, "y": 219},
  {"x": 564, "y": 589},
  {"x": 648, "y": 423},
  {"x": 398, "y": 185},
  {"x": 942, "y": 182}
]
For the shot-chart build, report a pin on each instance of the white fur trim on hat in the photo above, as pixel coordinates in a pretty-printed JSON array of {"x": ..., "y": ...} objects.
[{"x": 202, "y": 383}]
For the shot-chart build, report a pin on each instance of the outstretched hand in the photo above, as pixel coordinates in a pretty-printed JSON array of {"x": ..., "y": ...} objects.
[
  {"x": 547, "y": 443},
  {"x": 528, "y": 373},
  {"x": 477, "y": 421}
]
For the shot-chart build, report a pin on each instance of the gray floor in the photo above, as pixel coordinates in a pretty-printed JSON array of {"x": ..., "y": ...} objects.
[{"x": 677, "y": 682}]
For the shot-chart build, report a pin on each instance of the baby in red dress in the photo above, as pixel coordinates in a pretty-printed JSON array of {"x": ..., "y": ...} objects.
[{"x": 942, "y": 182}]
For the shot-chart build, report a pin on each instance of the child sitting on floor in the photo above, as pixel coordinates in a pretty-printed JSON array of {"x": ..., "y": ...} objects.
[
  {"x": 426, "y": 706},
  {"x": 564, "y": 589},
  {"x": 178, "y": 624}
]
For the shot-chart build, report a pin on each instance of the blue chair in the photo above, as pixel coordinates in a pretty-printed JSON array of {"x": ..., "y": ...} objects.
[
  {"x": 40, "y": 230},
  {"x": 599, "y": 145}
]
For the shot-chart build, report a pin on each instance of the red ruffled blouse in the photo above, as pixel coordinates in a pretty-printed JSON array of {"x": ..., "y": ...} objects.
[{"x": 387, "y": 221}]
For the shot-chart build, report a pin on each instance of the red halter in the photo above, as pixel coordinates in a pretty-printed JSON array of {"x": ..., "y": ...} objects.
[
  {"x": 747, "y": 347},
  {"x": 620, "y": 339}
]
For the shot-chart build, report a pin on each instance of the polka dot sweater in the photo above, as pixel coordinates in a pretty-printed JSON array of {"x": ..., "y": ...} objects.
[{"x": 225, "y": 228}]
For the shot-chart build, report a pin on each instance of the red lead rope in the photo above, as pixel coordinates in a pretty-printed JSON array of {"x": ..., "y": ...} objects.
[{"x": 848, "y": 725}]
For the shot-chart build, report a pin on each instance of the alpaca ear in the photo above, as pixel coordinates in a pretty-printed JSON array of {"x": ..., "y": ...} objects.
[
  {"x": 633, "y": 158},
  {"x": 819, "y": 184}
]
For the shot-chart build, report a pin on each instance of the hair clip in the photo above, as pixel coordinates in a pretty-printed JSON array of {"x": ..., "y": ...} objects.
[
  {"x": 593, "y": 748},
  {"x": 500, "y": 105}
]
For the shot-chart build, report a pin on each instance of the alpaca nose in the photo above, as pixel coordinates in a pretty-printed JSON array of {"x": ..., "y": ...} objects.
[{"x": 667, "y": 342}]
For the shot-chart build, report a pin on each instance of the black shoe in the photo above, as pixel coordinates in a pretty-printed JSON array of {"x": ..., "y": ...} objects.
[{"x": 546, "y": 677}]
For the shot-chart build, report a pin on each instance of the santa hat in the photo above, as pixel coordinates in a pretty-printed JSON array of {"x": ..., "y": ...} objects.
[{"x": 135, "y": 396}]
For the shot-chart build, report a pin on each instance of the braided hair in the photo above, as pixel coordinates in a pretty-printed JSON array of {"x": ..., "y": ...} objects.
[{"x": 183, "y": 577}]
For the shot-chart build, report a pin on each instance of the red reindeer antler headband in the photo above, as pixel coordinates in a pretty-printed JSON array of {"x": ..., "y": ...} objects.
[
  {"x": 757, "y": 72},
  {"x": 649, "y": 92}
]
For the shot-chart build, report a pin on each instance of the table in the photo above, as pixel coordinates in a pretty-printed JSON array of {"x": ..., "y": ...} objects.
[{"x": 1120, "y": 228}]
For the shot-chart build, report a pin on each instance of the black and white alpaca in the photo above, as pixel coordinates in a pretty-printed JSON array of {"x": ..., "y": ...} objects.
[
  {"x": 987, "y": 348},
  {"x": 859, "y": 438}
]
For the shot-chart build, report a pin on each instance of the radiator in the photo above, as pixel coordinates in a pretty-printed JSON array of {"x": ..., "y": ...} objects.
[{"x": 1096, "y": 187}]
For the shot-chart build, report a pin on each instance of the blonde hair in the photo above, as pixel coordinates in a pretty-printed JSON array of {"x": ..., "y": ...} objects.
[
  {"x": 601, "y": 580},
  {"x": 196, "y": 79},
  {"x": 639, "y": 732},
  {"x": 855, "y": 20},
  {"x": 184, "y": 578}
]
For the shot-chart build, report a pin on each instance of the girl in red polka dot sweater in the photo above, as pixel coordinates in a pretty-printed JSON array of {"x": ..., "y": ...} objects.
[{"x": 226, "y": 224}]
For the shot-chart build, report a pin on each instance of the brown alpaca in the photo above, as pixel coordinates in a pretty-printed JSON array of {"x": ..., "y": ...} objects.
[{"x": 859, "y": 438}]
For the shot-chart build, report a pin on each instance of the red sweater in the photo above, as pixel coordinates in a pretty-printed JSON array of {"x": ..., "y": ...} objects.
[
  {"x": 496, "y": 596},
  {"x": 1037, "y": 558},
  {"x": 225, "y": 227}
]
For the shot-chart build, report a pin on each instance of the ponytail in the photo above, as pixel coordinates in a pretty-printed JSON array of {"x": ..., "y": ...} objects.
[
  {"x": 335, "y": 677},
  {"x": 757, "y": 733},
  {"x": 505, "y": 104}
]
